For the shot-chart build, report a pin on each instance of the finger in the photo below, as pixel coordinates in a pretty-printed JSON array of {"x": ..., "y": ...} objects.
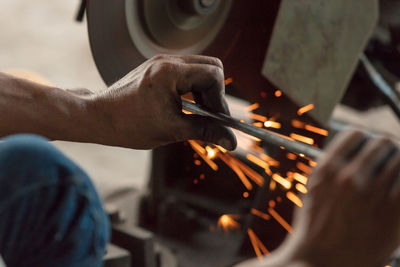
[
  {"x": 206, "y": 82},
  {"x": 372, "y": 157},
  {"x": 194, "y": 127},
  {"x": 191, "y": 59},
  {"x": 338, "y": 152},
  {"x": 387, "y": 177}
]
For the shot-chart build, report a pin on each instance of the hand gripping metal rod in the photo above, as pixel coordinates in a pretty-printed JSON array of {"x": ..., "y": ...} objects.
[{"x": 263, "y": 134}]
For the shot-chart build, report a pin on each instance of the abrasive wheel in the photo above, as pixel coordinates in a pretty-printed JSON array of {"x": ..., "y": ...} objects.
[{"x": 124, "y": 33}]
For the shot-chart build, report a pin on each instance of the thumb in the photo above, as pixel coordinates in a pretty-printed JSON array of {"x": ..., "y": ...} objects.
[{"x": 195, "y": 127}]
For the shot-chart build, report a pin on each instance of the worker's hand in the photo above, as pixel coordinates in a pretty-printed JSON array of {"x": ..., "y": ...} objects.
[
  {"x": 144, "y": 108},
  {"x": 351, "y": 215}
]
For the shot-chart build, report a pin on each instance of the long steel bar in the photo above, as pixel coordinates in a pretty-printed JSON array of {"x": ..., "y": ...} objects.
[{"x": 263, "y": 134}]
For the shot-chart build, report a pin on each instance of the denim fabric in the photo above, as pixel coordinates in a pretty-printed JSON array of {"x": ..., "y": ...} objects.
[{"x": 50, "y": 213}]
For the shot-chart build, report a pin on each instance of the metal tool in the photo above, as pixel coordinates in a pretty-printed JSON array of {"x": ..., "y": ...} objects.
[{"x": 263, "y": 134}]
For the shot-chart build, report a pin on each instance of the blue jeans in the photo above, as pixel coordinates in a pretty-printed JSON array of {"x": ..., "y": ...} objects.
[{"x": 50, "y": 213}]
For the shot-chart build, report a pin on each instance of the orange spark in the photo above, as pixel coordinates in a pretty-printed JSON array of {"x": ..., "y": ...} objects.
[
  {"x": 305, "y": 109},
  {"x": 302, "y": 138},
  {"x": 294, "y": 198},
  {"x": 312, "y": 163},
  {"x": 258, "y": 246},
  {"x": 258, "y": 117},
  {"x": 252, "y": 174},
  {"x": 253, "y": 107},
  {"x": 245, "y": 194},
  {"x": 291, "y": 156},
  {"x": 186, "y": 112},
  {"x": 300, "y": 178},
  {"x": 280, "y": 220},
  {"x": 269, "y": 160},
  {"x": 237, "y": 170},
  {"x": 272, "y": 124},
  {"x": 260, "y": 163},
  {"x": 227, "y": 222},
  {"x": 298, "y": 124},
  {"x": 260, "y": 214},
  {"x": 301, "y": 188},
  {"x": 197, "y": 162},
  {"x": 202, "y": 153},
  {"x": 272, "y": 185},
  {"x": 228, "y": 81},
  {"x": 278, "y": 93},
  {"x": 223, "y": 150},
  {"x": 282, "y": 181},
  {"x": 316, "y": 130},
  {"x": 271, "y": 203},
  {"x": 258, "y": 124},
  {"x": 210, "y": 152},
  {"x": 303, "y": 167}
]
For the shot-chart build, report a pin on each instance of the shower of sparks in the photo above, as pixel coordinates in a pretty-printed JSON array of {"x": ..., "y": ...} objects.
[
  {"x": 258, "y": 246},
  {"x": 232, "y": 164},
  {"x": 202, "y": 153},
  {"x": 305, "y": 109},
  {"x": 227, "y": 222},
  {"x": 280, "y": 220},
  {"x": 252, "y": 174},
  {"x": 302, "y": 138},
  {"x": 294, "y": 198},
  {"x": 272, "y": 124},
  {"x": 282, "y": 181},
  {"x": 260, "y": 214},
  {"x": 253, "y": 107},
  {"x": 301, "y": 188}
]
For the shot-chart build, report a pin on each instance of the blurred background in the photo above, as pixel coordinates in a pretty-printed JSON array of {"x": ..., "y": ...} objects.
[{"x": 41, "y": 38}]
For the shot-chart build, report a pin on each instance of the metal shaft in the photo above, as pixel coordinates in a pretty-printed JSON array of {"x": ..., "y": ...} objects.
[{"x": 263, "y": 134}]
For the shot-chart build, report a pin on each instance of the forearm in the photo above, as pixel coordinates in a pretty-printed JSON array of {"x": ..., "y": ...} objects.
[{"x": 27, "y": 107}]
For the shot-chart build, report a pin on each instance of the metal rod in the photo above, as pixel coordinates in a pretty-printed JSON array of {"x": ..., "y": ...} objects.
[{"x": 263, "y": 134}]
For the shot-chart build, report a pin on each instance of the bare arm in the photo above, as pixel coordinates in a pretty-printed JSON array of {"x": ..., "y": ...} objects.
[{"x": 142, "y": 110}]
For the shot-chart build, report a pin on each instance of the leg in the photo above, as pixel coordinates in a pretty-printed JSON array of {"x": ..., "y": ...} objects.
[{"x": 50, "y": 213}]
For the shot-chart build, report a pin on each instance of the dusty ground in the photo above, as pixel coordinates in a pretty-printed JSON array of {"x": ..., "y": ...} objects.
[{"x": 42, "y": 36}]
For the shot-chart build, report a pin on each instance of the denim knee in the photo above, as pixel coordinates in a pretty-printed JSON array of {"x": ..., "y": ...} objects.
[{"x": 51, "y": 212}]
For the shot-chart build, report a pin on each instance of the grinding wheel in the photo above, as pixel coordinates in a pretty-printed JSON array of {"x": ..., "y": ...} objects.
[{"x": 124, "y": 33}]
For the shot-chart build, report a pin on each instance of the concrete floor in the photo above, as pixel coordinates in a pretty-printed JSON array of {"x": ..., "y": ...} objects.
[{"x": 41, "y": 36}]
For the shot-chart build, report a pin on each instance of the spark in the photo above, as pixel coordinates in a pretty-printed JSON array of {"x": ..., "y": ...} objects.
[
  {"x": 280, "y": 220},
  {"x": 258, "y": 246},
  {"x": 312, "y": 163},
  {"x": 303, "y": 167},
  {"x": 210, "y": 152},
  {"x": 282, "y": 181},
  {"x": 258, "y": 117},
  {"x": 278, "y": 93},
  {"x": 316, "y": 130},
  {"x": 195, "y": 181},
  {"x": 253, "y": 107},
  {"x": 272, "y": 124},
  {"x": 260, "y": 214},
  {"x": 291, "y": 156},
  {"x": 302, "y": 138},
  {"x": 301, "y": 188},
  {"x": 300, "y": 178},
  {"x": 237, "y": 170},
  {"x": 305, "y": 109},
  {"x": 252, "y": 174},
  {"x": 227, "y": 222},
  {"x": 202, "y": 153},
  {"x": 271, "y": 161},
  {"x": 298, "y": 124},
  {"x": 228, "y": 81},
  {"x": 197, "y": 162},
  {"x": 271, "y": 203},
  {"x": 258, "y": 124},
  {"x": 223, "y": 150},
  {"x": 272, "y": 185},
  {"x": 294, "y": 198},
  {"x": 245, "y": 194},
  {"x": 260, "y": 163},
  {"x": 202, "y": 176}
]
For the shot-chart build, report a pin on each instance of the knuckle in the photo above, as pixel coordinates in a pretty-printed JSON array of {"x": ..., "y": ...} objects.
[
  {"x": 162, "y": 68},
  {"x": 159, "y": 57},
  {"x": 217, "y": 62}
]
